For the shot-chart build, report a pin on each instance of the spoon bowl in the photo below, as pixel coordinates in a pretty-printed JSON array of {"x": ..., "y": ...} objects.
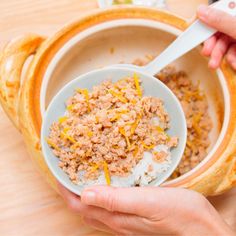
[{"x": 152, "y": 87}]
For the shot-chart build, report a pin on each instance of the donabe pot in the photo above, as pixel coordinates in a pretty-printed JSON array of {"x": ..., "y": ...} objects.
[{"x": 120, "y": 34}]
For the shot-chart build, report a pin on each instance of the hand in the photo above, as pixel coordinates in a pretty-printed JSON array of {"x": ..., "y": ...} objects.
[
  {"x": 147, "y": 211},
  {"x": 223, "y": 43}
]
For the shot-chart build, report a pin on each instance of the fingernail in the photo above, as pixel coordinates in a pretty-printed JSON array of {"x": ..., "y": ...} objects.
[
  {"x": 88, "y": 197},
  {"x": 212, "y": 64},
  {"x": 203, "y": 11}
]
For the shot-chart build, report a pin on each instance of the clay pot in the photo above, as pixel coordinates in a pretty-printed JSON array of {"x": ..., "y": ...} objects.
[{"x": 33, "y": 68}]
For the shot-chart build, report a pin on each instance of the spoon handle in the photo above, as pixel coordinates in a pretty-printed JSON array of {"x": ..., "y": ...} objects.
[{"x": 194, "y": 35}]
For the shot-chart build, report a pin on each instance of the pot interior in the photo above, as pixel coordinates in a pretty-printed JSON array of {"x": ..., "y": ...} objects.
[{"x": 125, "y": 41}]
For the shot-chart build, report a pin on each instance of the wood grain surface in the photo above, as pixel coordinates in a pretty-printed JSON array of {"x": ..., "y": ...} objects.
[{"x": 28, "y": 206}]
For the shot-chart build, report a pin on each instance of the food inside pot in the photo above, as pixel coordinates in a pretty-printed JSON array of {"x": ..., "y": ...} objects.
[
  {"x": 108, "y": 132},
  {"x": 195, "y": 106},
  {"x": 199, "y": 123}
]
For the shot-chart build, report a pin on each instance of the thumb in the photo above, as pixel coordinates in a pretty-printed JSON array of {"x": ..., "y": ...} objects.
[
  {"x": 138, "y": 201},
  {"x": 218, "y": 20}
]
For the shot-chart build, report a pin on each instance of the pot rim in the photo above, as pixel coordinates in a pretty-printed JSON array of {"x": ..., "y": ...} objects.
[{"x": 135, "y": 23}]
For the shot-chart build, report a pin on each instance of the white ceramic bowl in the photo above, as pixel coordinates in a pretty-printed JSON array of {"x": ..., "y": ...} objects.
[{"x": 152, "y": 87}]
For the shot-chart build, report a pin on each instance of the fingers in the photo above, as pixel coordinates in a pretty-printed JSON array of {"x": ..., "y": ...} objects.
[
  {"x": 139, "y": 207},
  {"x": 126, "y": 200},
  {"x": 123, "y": 225},
  {"x": 97, "y": 225},
  {"x": 69, "y": 197},
  {"x": 219, "y": 51},
  {"x": 74, "y": 203},
  {"x": 108, "y": 221},
  {"x": 118, "y": 222},
  {"x": 218, "y": 20},
  {"x": 217, "y": 48},
  {"x": 231, "y": 56},
  {"x": 209, "y": 45}
]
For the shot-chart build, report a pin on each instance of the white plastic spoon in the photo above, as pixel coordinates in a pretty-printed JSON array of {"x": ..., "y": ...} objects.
[{"x": 194, "y": 35}]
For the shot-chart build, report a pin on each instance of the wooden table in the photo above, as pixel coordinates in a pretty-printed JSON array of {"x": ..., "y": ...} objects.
[{"x": 28, "y": 206}]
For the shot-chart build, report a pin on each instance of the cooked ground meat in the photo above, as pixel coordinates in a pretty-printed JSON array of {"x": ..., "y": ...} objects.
[
  {"x": 108, "y": 129},
  {"x": 195, "y": 107},
  {"x": 199, "y": 123}
]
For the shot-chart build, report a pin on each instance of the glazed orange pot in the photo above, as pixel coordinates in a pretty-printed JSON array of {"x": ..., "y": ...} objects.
[{"x": 33, "y": 69}]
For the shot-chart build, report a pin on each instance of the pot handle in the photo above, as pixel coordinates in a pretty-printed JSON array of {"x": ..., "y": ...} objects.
[{"x": 12, "y": 60}]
